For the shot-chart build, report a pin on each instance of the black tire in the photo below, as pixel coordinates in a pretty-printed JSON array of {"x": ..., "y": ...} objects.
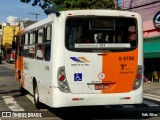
[{"x": 36, "y": 96}]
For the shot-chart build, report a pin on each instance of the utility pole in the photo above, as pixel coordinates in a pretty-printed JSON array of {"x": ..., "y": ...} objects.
[
  {"x": 19, "y": 23},
  {"x": 36, "y": 14},
  {"x": 116, "y": 4}
]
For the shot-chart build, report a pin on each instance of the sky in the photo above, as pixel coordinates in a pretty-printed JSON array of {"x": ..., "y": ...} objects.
[{"x": 20, "y": 10}]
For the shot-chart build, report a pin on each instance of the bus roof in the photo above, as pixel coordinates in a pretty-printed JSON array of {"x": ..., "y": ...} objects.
[{"x": 96, "y": 12}]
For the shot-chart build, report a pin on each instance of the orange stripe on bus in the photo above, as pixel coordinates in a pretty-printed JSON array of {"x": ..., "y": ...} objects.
[
  {"x": 22, "y": 69},
  {"x": 120, "y": 71}
]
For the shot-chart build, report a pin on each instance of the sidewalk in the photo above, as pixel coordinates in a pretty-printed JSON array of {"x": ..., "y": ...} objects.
[{"x": 152, "y": 90}]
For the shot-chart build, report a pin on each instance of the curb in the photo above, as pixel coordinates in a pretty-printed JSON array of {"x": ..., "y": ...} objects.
[{"x": 152, "y": 97}]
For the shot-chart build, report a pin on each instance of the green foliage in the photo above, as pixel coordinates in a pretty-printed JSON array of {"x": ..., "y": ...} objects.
[
  {"x": 51, "y": 6},
  {"x": 88, "y": 4}
]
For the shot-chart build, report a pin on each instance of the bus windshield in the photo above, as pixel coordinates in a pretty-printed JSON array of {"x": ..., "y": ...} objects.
[{"x": 101, "y": 33}]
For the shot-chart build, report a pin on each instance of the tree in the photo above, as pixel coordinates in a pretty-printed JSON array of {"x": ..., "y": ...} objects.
[{"x": 53, "y": 6}]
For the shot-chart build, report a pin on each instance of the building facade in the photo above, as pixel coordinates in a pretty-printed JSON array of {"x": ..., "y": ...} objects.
[
  {"x": 150, "y": 12},
  {"x": 2, "y": 25}
]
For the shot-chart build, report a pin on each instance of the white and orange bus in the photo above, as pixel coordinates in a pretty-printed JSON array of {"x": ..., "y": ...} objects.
[{"x": 82, "y": 58}]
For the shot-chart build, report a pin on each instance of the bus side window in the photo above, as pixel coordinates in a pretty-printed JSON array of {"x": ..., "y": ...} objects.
[
  {"x": 22, "y": 40},
  {"x": 41, "y": 36},
  {"x": 47, "y": 52},
  {"x": 40, "y": 51},
  {"x": 35, "y": 36},
  {"x": 32, "y": 45},
  {"x": 48, "y": 33},
  {"x": 24, "y": 45},
  {"x": 48, "y": 36}
]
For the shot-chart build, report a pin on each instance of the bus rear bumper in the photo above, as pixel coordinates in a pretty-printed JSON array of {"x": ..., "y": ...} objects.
[{"x": 61, "y": 99}]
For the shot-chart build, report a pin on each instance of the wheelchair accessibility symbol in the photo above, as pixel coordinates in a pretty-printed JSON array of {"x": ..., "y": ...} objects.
[{"x": 77, "y": 76}]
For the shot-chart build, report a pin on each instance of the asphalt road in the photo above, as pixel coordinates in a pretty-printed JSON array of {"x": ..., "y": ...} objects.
[{"x": 12, "y": 103}]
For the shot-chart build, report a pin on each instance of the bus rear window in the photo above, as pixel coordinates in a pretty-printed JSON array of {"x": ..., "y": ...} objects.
[{"x": 107, "y": 33}]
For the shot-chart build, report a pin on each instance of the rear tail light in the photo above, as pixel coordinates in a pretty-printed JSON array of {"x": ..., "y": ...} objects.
[
  {"x": 62, "y": 78},
  {"x": 62, "y": 81},
  {"x": 138, "y": 79},
  {"x": 138, "y": 76}
]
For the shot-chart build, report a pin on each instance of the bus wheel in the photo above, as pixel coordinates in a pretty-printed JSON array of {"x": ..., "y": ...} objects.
[{"x": 36, "y": 96}]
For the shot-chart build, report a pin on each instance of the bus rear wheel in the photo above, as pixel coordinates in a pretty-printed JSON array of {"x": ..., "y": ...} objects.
[{"x": 36, "y": 96}]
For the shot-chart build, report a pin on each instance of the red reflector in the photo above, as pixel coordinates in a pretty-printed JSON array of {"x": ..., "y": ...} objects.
[
  {"x": 69, "y": 14},
  {"x": 61, "y": 78},
  {"x": 138, "y": 76},
  {"x": 127, "y": 98},
  {"x": 74, "y": 98}
]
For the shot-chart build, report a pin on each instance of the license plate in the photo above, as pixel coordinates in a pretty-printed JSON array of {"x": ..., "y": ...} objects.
[{"x": 101, "y": 86}]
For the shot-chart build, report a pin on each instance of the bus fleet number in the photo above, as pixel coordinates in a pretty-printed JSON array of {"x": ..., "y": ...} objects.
[{"x": 126, "y": 58}]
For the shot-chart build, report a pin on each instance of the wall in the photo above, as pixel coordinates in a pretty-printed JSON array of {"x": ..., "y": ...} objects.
[{"x": 147, "y": 9}]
